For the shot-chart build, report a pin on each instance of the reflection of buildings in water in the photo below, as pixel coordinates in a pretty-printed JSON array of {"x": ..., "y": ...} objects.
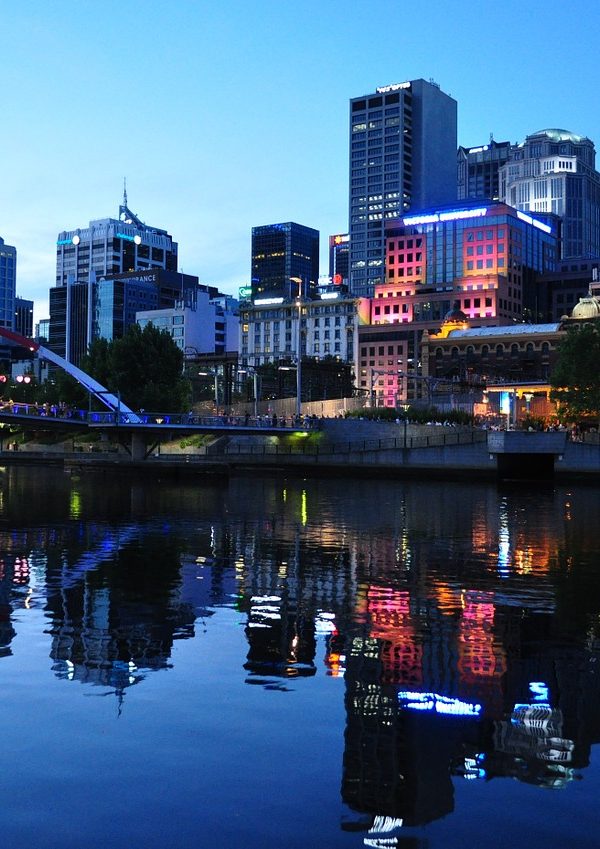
[
  {"x": 281, "y": 639},
  {"x": 288, "y": 587},
  {"x": 481, "y": 656},
  {"x": 401, "y": 648},
  {"x": 395, "y": 760},
  {"x": 14, "y": 581},
  {"x": 110, "y": 624},
  {"x": 535, "y": 750},
  {"x": 446, "y": 645},
  {"x": 402, "y": 741}
]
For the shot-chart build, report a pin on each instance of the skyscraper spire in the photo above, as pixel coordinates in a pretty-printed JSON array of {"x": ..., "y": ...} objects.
[{"x": 124, "y": 191}]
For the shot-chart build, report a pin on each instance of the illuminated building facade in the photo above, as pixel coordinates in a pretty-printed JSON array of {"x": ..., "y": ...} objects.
[
  {"x": 553, "y": 171},
  {"x": 8, "y": 283},
  {"x": 282, "y": 254},
  {"x": 402, "y": 156},
  {"x": 485, "y": 257},
  {"x": 339, "y": 259},
  {"x": 479, "y": 259},
  {"x": 328, "y": 328},
  {"x": 104, "y": 248},
  {"x": 525, "y": 352},
  {"x": 479, "y": 170}
]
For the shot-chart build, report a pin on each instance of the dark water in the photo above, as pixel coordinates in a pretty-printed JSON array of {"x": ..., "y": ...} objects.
[{"x": 270, "y": 663}]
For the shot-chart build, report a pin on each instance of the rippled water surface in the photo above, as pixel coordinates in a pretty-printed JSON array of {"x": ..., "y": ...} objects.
[{"x": 268, "y": 662}]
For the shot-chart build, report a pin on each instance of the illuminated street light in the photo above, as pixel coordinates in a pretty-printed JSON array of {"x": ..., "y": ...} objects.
[
  {"x": 254, "y": 375},
  {"x": 215, "y": 375},
  {"x": 298, "y": 280}
]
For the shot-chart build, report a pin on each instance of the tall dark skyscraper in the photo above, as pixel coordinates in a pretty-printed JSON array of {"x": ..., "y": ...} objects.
[
  {"x": 402, "y": 157},
  {"x": 280, "y": 253},
  {"x": 339, "y": 259},
  {"x": 8, "y": 276},
  {"x": 479, "y": 170},
  {"x": 24, "y": 316}
]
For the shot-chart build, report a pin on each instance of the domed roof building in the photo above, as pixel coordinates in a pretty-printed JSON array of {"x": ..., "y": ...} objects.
[
  {"x": 587, "y": 308},
  {"x": 552, "y": 173},
  {"x": 556, "y": 135}
]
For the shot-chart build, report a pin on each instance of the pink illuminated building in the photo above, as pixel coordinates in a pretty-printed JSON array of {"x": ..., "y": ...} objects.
[{"x": 480, "y": 258}]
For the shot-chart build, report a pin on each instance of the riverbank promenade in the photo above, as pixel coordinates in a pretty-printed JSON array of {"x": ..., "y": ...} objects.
[{"x": 332, "y": 446}]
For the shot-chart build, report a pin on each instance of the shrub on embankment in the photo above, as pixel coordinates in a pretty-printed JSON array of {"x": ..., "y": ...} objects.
[{"x": 414, "y": 415}]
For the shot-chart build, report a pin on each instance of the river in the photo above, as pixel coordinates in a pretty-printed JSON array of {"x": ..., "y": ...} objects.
[{"x": 266, "y": 662}]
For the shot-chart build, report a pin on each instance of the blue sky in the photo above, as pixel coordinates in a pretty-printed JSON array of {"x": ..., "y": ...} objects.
[{"x": 227, "y": 115}]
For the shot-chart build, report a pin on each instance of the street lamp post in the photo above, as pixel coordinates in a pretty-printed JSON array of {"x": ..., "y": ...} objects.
[
  {"x": 298, "y": 280},
  {"x": 254, "y": 374},
  {"x": 214, "y": 375}
]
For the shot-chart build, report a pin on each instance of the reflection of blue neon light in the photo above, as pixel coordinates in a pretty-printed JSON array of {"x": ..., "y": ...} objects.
[
  {"x": 539, "y": 691},
  {"x": 438, "y": 704}
]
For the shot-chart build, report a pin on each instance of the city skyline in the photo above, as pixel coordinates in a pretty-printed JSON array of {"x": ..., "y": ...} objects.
[{"x": 238, "y": 117}]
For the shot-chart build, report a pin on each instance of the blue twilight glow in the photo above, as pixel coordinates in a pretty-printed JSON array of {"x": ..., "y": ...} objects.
[
  {"x": 453, "y": 215},
  {"x": 438, "y": 704}
]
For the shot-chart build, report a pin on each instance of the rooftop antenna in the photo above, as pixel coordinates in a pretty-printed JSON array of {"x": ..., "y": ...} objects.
[{"x": 124, "y": 191}]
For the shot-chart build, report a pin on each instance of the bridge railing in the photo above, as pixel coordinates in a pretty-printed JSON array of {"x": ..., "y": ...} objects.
[
  {"x": 107, "y": 417},
  {"x": 36, "y": 411}
]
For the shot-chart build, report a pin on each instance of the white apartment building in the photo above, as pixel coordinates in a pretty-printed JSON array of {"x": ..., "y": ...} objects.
[
  {"x": 272, "y": 329},
  {"x": 207, "y": 326}
]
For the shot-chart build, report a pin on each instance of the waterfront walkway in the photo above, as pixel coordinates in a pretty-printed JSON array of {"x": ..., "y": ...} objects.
[{"x": 53, "y": 417}]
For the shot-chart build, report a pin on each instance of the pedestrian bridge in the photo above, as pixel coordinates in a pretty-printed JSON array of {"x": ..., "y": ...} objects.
[
  {"x": 141, "y": 432},
  {"x": 37, "y": 417}
]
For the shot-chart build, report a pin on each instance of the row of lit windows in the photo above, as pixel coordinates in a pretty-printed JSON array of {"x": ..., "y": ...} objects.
[
  {"x": 489, "y": 249},
  {"x": 415, "y": 271},
  {"x": 479, "y": 265}
]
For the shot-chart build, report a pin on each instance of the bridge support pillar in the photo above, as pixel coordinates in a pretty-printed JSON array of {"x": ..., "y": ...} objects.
[{"x": 138, "y": 446}]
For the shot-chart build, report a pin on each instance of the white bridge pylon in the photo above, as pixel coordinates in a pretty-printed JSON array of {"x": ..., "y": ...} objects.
[{"x": 92, "y": 386}]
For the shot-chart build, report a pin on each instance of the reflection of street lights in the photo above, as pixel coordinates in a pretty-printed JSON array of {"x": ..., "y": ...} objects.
[{"x": 298, "y": 280}]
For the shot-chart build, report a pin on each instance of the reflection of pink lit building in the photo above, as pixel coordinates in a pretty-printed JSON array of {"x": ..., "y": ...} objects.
[
  {"x": 481, "y": 657},
  {"x": 402, "y": 653}
]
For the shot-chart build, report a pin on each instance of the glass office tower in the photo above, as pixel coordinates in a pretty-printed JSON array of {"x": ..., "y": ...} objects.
[
  {"x": 281, "y": 255},
  {"x": 402, "y": 157},
  {"x": 8, "y": 277}
]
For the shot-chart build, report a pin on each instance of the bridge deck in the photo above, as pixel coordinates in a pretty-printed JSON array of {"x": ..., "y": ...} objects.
[{"x": 30, "y": 416}]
